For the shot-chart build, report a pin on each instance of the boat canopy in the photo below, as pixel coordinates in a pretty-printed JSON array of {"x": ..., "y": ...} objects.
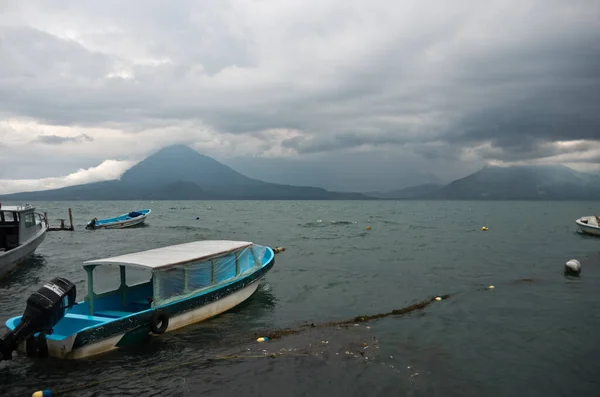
[
  {"x": 180, "y": 271},
  {"x": 160, "y": 258}
]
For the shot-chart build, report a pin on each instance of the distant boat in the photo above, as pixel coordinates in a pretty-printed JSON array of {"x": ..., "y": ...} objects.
[
  {"x": 186, "y": 284},
  {"x": 589, "y": 224},
  {"x": 126, "y": 220},
  {"x": 22, "y": 230}
]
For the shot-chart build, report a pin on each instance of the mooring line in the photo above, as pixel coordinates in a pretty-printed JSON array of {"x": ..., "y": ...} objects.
[{"x": 278, "y": 334}]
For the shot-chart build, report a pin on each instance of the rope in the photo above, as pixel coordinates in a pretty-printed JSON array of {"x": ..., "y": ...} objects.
[{"x": 277, "y": 334}]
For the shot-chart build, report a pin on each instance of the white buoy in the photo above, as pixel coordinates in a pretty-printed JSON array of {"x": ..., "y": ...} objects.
[{"x": 573, "y": 266}]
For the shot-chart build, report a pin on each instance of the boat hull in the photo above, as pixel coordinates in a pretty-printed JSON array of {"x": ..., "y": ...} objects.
[
  {"x": 176, "y": 322},
  {"x": 124, "y": 224},
  {"x": 588, "y": 228},
  {"x": 11, "y": 259},
  {"x": 131, "y": 330}
]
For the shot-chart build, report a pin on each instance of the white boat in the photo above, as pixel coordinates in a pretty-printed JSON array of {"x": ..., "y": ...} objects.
[
  {"x": 589, "y": 224},
  {"x": 183, "y": 284},
  {"x": 22, "y": 230}
]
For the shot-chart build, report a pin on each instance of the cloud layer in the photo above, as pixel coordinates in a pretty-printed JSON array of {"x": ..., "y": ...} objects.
[
  {"x": 57, "y": 140},
  {"x": 109, "y": 169},
  {"x": 448, "y": 86}
]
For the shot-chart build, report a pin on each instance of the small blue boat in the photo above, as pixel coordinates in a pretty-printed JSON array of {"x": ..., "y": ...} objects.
[
  {"x": 132, "y": 218},
  {"x": 183, "y": 284}
]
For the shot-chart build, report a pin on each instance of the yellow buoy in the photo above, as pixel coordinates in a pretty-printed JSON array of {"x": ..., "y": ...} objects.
[
  {"x": 368, "y": 227},
  {"x": 42, "y": 393},
  {"x": 262, "y": 339},
  {"x": 438, "y": 298},
  {"x": 491, "y": 287},
  {"x": 484, "y": 228}
]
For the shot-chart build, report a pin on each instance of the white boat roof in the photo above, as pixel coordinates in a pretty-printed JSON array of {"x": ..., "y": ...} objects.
[
  {"x": 17, "y": 208},
  {"x": 173, "y": 255}
]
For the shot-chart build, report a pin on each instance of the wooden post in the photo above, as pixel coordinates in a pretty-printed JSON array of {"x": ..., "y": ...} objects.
[{"x": 71, "y": 219}]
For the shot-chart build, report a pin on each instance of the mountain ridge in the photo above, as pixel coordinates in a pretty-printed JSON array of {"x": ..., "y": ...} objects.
[
  {"x": 535, "y": 182},
  {"x": 177, "y": 172}
]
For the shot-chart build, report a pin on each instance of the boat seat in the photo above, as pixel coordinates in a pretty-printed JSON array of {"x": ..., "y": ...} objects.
[
  {"x": 112, "y": 313},
  {"x": 142, "y": 303},
  {"x": 87, "y": 317}
]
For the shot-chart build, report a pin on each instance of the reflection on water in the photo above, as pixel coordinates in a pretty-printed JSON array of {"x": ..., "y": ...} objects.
[
  {"x": 26, "y": 273},
  {"x": 538, "y": 334}
]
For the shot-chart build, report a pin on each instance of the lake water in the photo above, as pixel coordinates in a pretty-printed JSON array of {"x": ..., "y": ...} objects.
[{"x": 537, "y": 333}]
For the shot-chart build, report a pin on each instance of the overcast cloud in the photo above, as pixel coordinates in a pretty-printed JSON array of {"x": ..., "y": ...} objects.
[{"x": 362, "y": 90}]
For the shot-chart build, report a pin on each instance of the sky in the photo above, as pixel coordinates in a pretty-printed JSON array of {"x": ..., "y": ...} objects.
[{"x": 346, "y": 95}]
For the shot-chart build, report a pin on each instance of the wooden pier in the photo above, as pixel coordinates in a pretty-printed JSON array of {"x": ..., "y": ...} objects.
[{"x": 62, "y": 226}]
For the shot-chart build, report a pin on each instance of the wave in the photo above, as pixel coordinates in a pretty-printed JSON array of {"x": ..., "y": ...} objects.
[{"x": 320, "y": 223}]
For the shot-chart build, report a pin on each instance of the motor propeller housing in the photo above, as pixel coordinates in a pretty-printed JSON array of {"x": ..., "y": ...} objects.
[{"x": 45, "y": 307}]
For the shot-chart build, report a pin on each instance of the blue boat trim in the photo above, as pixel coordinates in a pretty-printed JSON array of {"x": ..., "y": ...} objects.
[{"x": 139, "y": 323}]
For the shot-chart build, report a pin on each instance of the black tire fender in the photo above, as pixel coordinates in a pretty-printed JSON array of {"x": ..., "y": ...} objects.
[{"x": 159, "y": 322}]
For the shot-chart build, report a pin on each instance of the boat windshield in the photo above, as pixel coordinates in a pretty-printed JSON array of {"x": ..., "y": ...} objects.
[
  {"x": 9, "y": 217},
  {"x": 182, "y": 281},
  {"x": 9, "y": 230},
  {"x": 107, "y": 278}
]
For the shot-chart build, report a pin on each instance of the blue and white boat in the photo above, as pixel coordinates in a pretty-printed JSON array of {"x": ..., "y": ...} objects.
[
  {"x": 185, "y": 284},
  {"x": 126, "y": 220}
]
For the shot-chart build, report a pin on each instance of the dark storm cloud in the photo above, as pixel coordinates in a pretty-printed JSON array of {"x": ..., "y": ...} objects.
[
  {"x": 59, "y": 140},
  {"x": 345, "y": 141},
  {"x": 503, "y": 77}
]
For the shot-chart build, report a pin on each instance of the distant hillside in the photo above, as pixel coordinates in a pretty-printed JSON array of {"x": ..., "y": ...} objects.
[
  {"x": 180, "y": 173},
  {"x": 522, "y": 183},
  {"x": 410, "y": 192}
]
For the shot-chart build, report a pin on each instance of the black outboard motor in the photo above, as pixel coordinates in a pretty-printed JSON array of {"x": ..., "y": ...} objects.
[
  {"x": 91, "y": 224},
  {"x": 45, "y": 307}
]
